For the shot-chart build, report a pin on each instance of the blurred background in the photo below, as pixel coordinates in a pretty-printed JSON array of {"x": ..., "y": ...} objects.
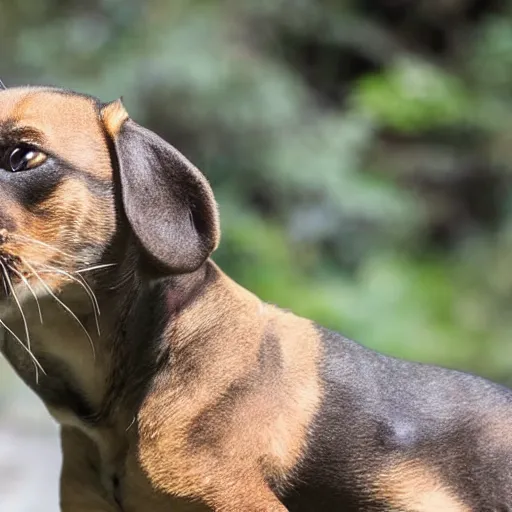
[{"x": 360, "y": 151}]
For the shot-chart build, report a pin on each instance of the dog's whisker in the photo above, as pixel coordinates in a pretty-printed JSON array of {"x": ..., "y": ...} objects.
[
  {"x": 25, "y": 323},
  {"x": 95, "y": 267},
  {"x": 131, "y": 424},
  {"x": 94, "y": 299},
  {"x": 6, "y": 289},
  {"x": 25, "y": 280},
  {"x": 48, "y": 289},
  {"x": 85, "y": 286},
  {"x": 43, "y": 244},
  {"x": 121, "y": 280}
]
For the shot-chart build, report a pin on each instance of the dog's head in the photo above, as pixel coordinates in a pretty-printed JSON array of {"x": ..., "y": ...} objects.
[{"x": 74, "y": 172}]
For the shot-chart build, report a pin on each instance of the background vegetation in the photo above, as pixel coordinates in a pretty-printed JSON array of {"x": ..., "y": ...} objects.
[{"x": 360, "y": 150}]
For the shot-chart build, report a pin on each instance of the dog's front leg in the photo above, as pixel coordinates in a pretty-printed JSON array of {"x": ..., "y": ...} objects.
[{"x": 81, "y": 488}]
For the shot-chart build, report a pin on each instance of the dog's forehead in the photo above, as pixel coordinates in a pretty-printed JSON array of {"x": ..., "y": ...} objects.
[
  {"x": 50, "y": 110},
  {"x": 67, "y": 124}
]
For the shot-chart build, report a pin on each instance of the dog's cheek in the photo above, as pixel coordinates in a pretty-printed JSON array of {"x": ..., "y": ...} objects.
[
  {"x": 90, "y": 218},
  {"x": 8, "y": 215},
  {"x": 72, "y": 219}
]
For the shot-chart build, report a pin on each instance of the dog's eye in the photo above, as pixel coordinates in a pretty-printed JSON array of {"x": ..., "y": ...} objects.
[{"x": 24, "y": 158}]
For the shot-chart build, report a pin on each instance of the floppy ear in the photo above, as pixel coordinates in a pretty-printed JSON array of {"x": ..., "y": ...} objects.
[{"x": 168, "y": 202}]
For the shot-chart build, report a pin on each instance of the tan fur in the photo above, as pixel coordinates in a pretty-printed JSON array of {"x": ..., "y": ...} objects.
[
  {"x": 413, "y": 487},
  {"x": 47, "y": 238},
  {"x": 73, "y": 209},
  {"x": 83, "y": 489},
  {"x": 85, "y": 485},
  {"x": 267, "y": 424},
  {"x": 114, "y": 115},
  {"x": 58, "y": 119},
  {"x": 140, "y": 491}
]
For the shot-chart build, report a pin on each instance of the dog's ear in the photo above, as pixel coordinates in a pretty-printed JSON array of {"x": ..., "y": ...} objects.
[{"x": 168, "y": 202}]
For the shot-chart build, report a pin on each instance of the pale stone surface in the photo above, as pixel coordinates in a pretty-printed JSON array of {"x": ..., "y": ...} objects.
[{"x": 29, "y": 449}]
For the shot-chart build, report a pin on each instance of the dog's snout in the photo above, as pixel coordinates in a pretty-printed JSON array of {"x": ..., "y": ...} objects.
[{"x": 7, "y": 224}]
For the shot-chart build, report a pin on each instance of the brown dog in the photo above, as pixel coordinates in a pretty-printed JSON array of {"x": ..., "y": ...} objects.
[{"x": 194, "y": 394}]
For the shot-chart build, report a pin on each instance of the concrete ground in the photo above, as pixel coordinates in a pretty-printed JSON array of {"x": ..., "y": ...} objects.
[{"x": 29, "y": 449}]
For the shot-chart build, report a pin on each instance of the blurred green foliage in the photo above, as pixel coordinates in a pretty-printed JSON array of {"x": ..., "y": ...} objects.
[{"x": 360, "y": 150}]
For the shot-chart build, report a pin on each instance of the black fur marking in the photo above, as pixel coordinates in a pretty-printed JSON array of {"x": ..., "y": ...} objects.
[
  {"x": 378, "y": 408},
  {"x": 33, "y": 187}
]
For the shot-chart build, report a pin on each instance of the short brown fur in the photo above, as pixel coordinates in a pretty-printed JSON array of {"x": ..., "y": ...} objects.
[
  {"x": 59, "y": 117},
  {"x": 240, "y": 459},
  {"x": 114, "y": 115},
  {"x": 411, "y": 486}
]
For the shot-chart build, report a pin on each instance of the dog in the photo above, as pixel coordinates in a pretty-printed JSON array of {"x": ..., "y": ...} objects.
[{"x": 176, "y": 389}]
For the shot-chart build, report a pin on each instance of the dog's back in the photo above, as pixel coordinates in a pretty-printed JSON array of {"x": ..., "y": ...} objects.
[{"x": 395, "y": 435}]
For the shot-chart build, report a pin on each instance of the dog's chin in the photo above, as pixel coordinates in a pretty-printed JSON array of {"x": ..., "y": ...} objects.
[
  {"x": 8, "y": 309},
  {"x": 15, "y": 296},
  {"x": 6, "y": 295}
]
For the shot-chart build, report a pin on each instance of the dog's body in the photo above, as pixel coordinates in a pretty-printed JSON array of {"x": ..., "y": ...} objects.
[{"x": 197, "y": 395}]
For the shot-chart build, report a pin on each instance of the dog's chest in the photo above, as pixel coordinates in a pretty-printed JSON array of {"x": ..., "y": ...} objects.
[
  {"x": 65, "y": 365},
  {"x": 73, "y": 387},
  {"x": 71, "y": 381}
]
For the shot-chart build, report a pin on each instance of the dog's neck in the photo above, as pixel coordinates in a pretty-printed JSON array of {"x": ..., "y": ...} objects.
[
  {"x": 151, "y": 330},
  {"x": 170, "y": 351}
]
